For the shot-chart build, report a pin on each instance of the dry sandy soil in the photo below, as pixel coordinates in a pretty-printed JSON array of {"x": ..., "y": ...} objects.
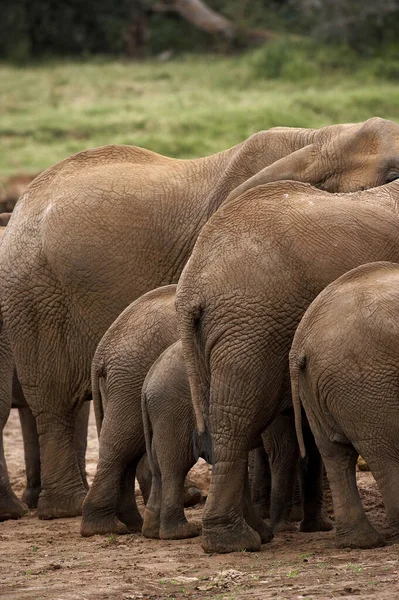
[{"x": 49, "y": 560}]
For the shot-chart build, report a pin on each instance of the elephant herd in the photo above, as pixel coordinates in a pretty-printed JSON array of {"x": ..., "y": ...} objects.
[{"x": 202, "y": 305}]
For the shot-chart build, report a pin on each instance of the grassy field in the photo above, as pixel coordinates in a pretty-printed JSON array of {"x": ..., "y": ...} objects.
[{"x": 185, "y": 108}]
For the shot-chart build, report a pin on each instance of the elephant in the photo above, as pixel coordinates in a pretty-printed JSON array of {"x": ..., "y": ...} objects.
[
  {"x": 120, "y": 364},
  {"x": 256, "y": 266},
  {"x": 172, "y": 449},
  {"x": 12, "y": 396},
  {"x": 344, "y": 372},
  {"x": 97, "y": 230}
]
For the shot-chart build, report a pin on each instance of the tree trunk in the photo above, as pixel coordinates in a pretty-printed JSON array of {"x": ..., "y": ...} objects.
[{"x": 200, "y": 15}]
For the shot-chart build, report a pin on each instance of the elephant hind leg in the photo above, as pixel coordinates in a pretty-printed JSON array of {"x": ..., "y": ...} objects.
[
  {"x": 260, "y": 481},
  {"x": 10, "y": 506},
  {"x": 353, "y": 529},
  {"x": 385, "y": 470},
  {"x": 32, "y": 456},
  {"x": 252, "y": 517},
  {"x": 128, "y": 511},
  {"x": 110, "y": 506},
  {"x": 314, "y": 518},
  {"x": 281, "y": 445}
]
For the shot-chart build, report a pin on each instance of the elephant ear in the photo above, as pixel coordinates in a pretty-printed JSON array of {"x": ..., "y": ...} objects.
[{"x": 303, "y": 165}]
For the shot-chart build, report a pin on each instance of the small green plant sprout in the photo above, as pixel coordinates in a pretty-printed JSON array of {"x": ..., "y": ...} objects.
[
  {"x": 355, "y": 568},
  {"x": 112, "y": 539},
  {"x": 293, "y": 573}
]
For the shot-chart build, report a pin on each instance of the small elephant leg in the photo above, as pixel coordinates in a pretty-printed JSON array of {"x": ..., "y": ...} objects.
[
  {"x": 282, "y": 447},
  {"x": 260, "y": 481},
  {"x": 10, "y": 506},
  {"x": 297, "y": 508},
  {"x": 32, "y": 456},
  {"x": 353, "y": 529},
  {"x": 173, "y": 522},
  {"x": 127, "y": 510},
  {"x": 111, "y": 496},
  {"x": 312, "y": 472},
  {"x": 152, "y": 512},
  {"x": 81, "y": 427},
  {"x": 173, "y": 460},
  {"x": 110, "y": 505},
  {"x": 252, "y": 516}
]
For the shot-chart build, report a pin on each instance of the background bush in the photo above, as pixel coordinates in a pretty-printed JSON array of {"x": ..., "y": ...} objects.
[{"x": 31, "y": 29}]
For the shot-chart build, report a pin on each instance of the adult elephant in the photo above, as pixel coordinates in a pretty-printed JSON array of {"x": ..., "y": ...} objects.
[
  {"x": 99, "y": 229},
  {"x": 256, "y": 266}
]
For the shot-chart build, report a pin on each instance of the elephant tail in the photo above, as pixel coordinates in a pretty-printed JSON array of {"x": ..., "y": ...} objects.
[
  {"x": 147, "y": 423},
  {"x": 97, "y": 374},
  {"x": 189, "y": 318},
  {"x": 297, "y": 363}
]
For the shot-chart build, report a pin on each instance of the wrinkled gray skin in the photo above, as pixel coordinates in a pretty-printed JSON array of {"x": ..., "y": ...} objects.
[
  {"x": 99, "y": 229},
  {"x": 11, "y": 396},
  {"x": 170, "y": 433},
  {"x": 257, "y": 265},
  {"x": 344, "y": 369},
  {"x": 121, "y": 362}
]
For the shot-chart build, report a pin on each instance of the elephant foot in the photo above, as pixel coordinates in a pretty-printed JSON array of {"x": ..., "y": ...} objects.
[
  {"x": 132, "y": 519},
  {"x": 319, "y": 523},
  {"x": 31, "y": 496},
  {"x": 283, "y": 526},
  {"x": 364, "y": 536},
  {"x": 12, "y": 508},
  {"x": 222, "y": 539},
  {"x": 56, "y": 507},
  {"x": 192, "y": 496},
  {"x": 258, "y": 525},
  {"x": 179, "y": 531},
  {"x": 102, "y": 526},
  {"x": 151, "y": 524}
]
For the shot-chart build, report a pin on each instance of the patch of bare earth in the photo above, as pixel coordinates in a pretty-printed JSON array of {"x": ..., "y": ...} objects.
[{"x": 50, "y": 560}]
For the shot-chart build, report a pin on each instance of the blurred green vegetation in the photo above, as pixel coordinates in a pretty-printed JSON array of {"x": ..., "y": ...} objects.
[
  {"x": 183, "y": 108},
  {"x": 31, "y": 29}
]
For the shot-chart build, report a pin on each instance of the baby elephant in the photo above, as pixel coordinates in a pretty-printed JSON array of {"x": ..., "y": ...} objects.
[
  {"x": 345, "y": 371},
  {"x": 173, "y": 448}
]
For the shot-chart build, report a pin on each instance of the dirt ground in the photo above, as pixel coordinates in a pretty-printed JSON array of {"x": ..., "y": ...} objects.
[{"x": 49, "y": 560}]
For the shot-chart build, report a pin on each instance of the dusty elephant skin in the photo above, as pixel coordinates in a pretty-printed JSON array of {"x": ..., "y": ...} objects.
[
  {"x": 123, "y": 357},
  {"x": 121, "y": 362},
  {"x": 101, "y": 228},
  {"x": 10, "y": 506},
  {"x": 257, "y": 265},
  {"x": 169, "y": 427},
  {"x": 345, "y": 371}
]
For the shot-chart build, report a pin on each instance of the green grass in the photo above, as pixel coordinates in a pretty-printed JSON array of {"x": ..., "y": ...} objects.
[{"x": 184, "y": 108}]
